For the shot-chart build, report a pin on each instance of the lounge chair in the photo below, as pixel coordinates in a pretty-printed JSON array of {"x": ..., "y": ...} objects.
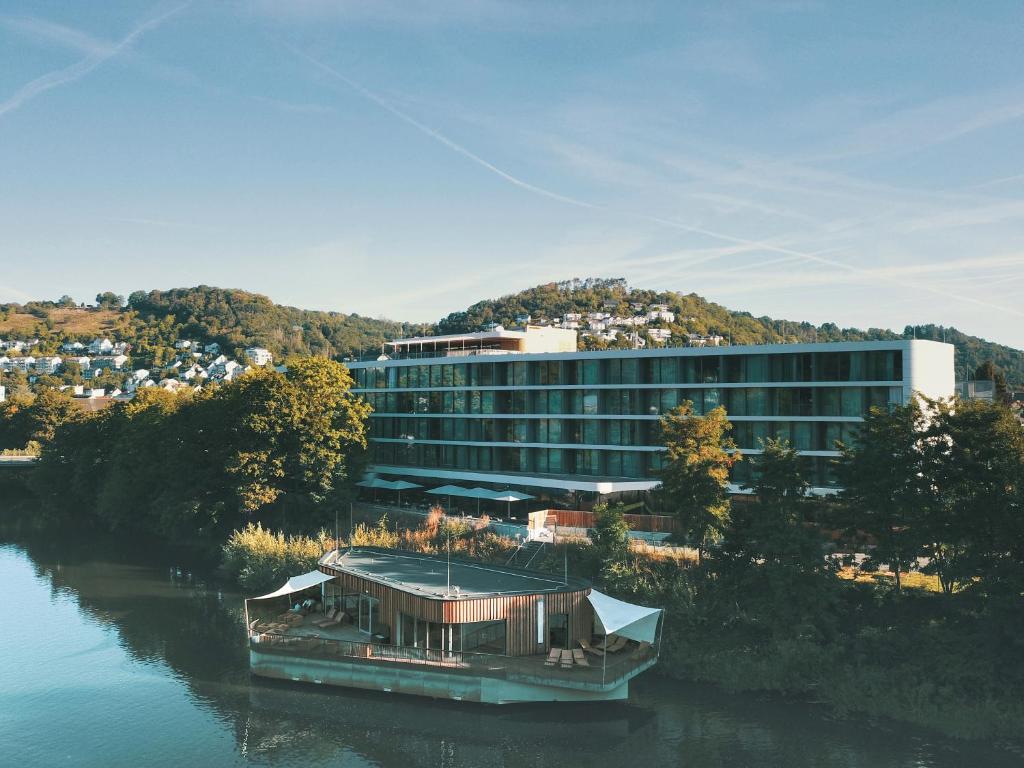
[
  {"x": 329, "y": 620},
  {"x": 579, "y": 657},
  {"x": 553, "y": 657},
  {"x": 618, "y": 645},
  {"x": 339, "y": 618},
  {"x": 586, "y": 646},
  {"x": 642, "y": 649},
  {"x": 566, "y": 662}
]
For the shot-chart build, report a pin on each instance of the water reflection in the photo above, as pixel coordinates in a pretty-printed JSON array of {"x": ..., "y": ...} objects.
[{"x": 157, "y": 645}]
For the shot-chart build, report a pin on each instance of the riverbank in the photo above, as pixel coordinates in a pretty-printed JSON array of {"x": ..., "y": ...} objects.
[
  {"x": 136, "y": 640},
  {"x": 947, "y": 663}
]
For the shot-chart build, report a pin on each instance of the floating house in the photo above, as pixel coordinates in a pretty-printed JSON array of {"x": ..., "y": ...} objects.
[{"x": 404, "y": 622}]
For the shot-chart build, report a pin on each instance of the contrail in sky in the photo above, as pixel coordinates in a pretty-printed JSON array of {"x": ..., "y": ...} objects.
[
  {"x": 671, "y": 223},
  {"x": 80, "y": 69}
]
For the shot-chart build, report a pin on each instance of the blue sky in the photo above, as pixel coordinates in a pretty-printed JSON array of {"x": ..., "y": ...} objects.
[{"x": 861, "y": 163}]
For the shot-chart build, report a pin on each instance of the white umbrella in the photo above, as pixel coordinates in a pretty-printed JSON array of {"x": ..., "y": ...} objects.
[
  {"x": 402, "y": 485},
  {"x": 509, "y": 497}
]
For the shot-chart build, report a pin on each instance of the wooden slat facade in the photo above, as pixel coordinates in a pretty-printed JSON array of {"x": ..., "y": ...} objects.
[{"x": 518, "y": 611}]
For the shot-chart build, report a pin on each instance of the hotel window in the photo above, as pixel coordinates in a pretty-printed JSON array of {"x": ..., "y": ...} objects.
[
  {"x": 735, "y": 369},
  {"x": 710, "y": 369},
  {"x": 520, "y": 374},
  {"x": 852, "y": 401},
  {"x": 590, "y": 402},
  {"x": 555, "y": 401},
  {"x": 422, "y": 375},
  {"x": 403, "y": 376},
  {"x": 459, "y": 405},
  {"x": 550, "y": 373},
  {"x": 555, "y": 462},
  {"x": 592, "y": 432},
  {"x": 591, "y": 372},
  {"x": 802, "y": 435},
  {"x": 757, "y": 402},
  {"x": 630, "y": 370},
  {"x": 519, "y": 402},
  {"x": 828, "y": 401},
  {"x": 712, "y": 399},
  {"x": 664, "y": 370},
  {"x": 736, "y": 404},
  {"x": 459, "y": 375},
  {"x": 613, "y": 462}
]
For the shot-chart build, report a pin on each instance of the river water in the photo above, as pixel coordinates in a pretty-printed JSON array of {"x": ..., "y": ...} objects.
[{"x": 116, "y": 655}]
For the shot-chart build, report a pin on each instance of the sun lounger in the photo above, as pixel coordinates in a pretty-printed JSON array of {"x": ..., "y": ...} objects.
[
  {"x": 579, "y": 657},
  {"x": 642, "y": 649},
  {"x": 586, "y": 646},
  {"x": 566, "y": 660},
  {"x": 618, "y": 645},
  {"x": 553, "y": 657},
  {"x": 329, "y": 621}
]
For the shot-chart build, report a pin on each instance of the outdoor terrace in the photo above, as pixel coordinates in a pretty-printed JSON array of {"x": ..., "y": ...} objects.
[{"x": 347, "y": 643}]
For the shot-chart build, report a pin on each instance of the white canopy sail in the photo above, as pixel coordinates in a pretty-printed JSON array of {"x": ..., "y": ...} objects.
[
  {"x": 297, "y": 584},
  {"x": 615, "y": 617}
]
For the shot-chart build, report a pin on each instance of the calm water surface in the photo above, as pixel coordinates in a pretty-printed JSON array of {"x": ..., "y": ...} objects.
[{"x": 111, "y": 656}]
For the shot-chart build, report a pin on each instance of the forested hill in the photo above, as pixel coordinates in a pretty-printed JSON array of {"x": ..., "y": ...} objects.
[
  {"x": 151, "y": 322},
  {"x": 237, "y": 319},
  {"x": 695, "y": 314}
]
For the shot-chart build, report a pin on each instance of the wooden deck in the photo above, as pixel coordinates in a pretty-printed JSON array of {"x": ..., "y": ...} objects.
[{"x": 346, "y": 642}]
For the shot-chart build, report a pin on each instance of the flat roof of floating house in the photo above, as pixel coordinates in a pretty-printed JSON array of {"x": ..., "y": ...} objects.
[{"x": 427, "y": 575}]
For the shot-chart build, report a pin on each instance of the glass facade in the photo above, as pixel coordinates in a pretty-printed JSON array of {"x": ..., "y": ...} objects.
[{"x": 596, "y": 415}]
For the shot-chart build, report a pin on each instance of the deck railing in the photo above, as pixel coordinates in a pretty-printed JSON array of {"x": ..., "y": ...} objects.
[{"x": 619, "y": 667}]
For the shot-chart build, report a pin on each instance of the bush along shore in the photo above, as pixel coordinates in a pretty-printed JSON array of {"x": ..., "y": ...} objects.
[{"x": 946, "y": 662}]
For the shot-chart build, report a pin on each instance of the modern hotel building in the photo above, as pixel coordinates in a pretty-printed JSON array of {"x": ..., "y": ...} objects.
[{"x": 524, "y": 410}]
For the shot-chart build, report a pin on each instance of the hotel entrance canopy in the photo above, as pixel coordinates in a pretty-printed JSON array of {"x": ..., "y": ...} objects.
[{"x": 616, "y": 617}]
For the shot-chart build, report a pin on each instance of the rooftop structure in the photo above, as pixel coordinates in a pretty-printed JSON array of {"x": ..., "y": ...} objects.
[
  {"x": 532, "y": 339},
  {"x": 437, "y": 579}
]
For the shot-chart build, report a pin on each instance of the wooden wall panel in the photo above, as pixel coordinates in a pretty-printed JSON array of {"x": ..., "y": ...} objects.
[{"x": 518, "y": 611}]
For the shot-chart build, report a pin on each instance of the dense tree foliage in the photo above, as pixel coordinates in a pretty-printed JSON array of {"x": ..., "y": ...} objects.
[
  {"x": 885, "y": 485},
  {"x": 198, "y": 464},
  {"x": 237, "y": 319},
  {"x": 610, "y": 534},
  {"x": 695, "y": 475}
]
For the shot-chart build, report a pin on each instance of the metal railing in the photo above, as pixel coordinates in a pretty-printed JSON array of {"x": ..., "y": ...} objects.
[{"x": 530, "y": 668}]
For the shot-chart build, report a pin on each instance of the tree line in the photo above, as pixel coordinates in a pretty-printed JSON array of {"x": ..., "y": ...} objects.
[{"x": 193, "y": 466}]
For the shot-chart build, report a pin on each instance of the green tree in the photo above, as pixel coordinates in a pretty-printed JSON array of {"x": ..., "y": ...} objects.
[
  {"x": 976, "y": 520},
  {"x": 989, "y": 371},
  {"x": 50, "y": 410},
  {"x": 610, "y": 535},
  {"x": 695, "y": 476},
  {"x": 773, "y": 528},
  {"x": 109, "y": 300},
  {"x": 885, "y": 486}
]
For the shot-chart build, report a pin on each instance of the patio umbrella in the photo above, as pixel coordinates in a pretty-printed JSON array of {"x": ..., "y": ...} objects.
[
  {"x": 480, "y": 493},
  {"x": 403, "y": 485},
  {"x": 509, "y": 497},
  {"x": 449, "y": 491}
]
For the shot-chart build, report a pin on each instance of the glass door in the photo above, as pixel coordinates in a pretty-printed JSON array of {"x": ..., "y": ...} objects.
[{"x": 368, "y": 607}]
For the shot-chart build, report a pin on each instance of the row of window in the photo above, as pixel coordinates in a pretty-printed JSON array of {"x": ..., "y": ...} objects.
[
  {"x": 560, "y": 461},
  {"x": 881, "y": 365},
  {"x": 804, "y": 435},
  {"x": 742, "y": 401}
]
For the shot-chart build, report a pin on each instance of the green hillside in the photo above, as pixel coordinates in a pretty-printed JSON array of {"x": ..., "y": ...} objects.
[
  {"x": 152, "y": 321},
  {"x": 695, "y": 314}
]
